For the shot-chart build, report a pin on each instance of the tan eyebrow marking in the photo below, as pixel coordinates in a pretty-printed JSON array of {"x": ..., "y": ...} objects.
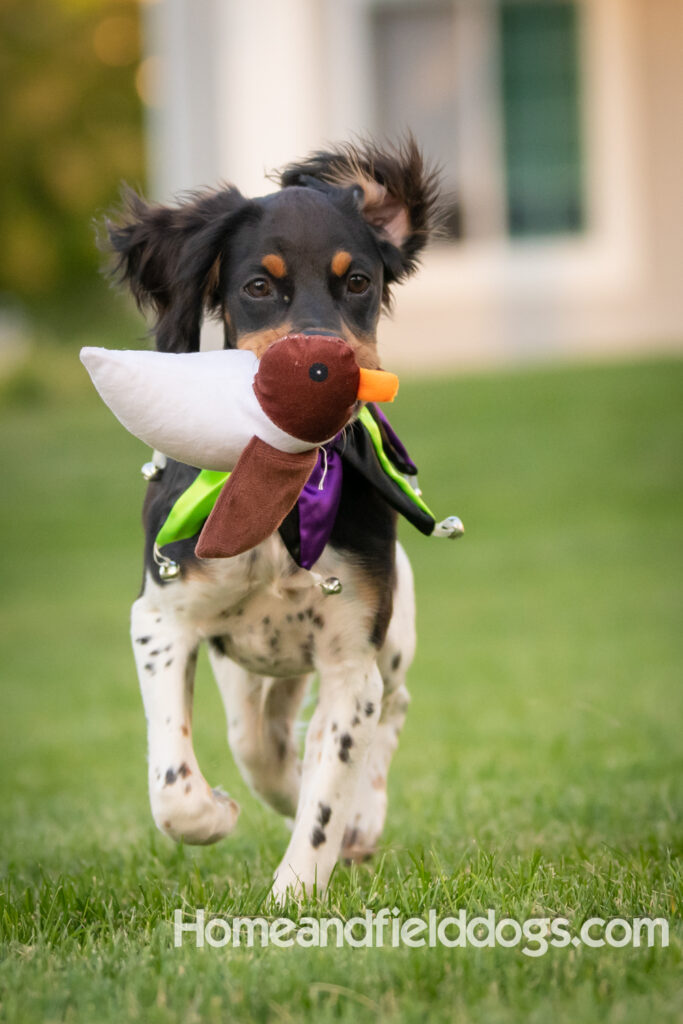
[
  {"x": 274, "y": 264},
  {"x": 341, "y": 261}
]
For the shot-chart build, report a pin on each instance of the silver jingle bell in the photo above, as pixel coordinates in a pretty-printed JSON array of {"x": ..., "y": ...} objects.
[
  {"x": 332, "y": 585},
  {"x": 151, "y": 471},
  {"x": 169, "y": 571},
  {"x": 451, "y": 527}
]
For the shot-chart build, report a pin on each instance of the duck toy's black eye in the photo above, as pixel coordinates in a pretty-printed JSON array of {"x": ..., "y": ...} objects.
[{"x": 318, "y": 372}]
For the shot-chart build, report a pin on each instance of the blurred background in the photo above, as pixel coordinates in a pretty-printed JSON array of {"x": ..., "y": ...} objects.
[
  {"x": 556, "y": 123},
  {"x": 546, "y": 688}
]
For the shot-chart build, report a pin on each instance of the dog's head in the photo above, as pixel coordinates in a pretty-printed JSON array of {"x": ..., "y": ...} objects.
[{"x": 318, "y": 256}]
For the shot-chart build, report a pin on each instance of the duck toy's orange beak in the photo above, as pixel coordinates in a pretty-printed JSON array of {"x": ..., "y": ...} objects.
[{"x": 377, "y": 386}]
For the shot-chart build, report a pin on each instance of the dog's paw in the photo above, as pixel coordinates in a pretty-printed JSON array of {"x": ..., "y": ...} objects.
[
  {"x": 356, "y": 847},
  {"x": 196, "y": 818},
  {"x": 366, "y": 825},
  {"x": 288, "y": 887}
]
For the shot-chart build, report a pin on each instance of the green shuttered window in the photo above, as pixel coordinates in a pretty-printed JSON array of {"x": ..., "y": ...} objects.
[{"x": 540, "y": 84}]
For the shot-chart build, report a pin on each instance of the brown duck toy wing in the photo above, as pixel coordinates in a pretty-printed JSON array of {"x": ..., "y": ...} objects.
[
  {"x": 307, "y": 387},
  {"x": 261, "y": 490}
]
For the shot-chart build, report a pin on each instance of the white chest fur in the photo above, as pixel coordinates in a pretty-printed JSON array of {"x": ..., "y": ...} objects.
[{"x": 262, "y": 611}]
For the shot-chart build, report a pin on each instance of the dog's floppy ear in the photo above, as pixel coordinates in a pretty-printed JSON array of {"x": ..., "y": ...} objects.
[
  {"x": 396, "y": 192},
  {"x": 170, "y": 258}
]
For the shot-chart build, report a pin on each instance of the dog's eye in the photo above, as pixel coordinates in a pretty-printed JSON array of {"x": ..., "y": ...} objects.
[
  {"x": 318, "y": 372},
  {"x": 357, "y": 283},
  {"x": 259, "y": 288}
]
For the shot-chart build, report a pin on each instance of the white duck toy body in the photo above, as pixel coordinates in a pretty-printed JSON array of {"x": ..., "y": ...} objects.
[{"x": 196, "y": 407}]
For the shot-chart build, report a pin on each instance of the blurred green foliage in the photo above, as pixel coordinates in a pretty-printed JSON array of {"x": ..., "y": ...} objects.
[{"x": 71, "y": 130}]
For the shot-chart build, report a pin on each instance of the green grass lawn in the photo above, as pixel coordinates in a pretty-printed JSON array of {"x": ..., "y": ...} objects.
[{"x": 539, "y": 774}]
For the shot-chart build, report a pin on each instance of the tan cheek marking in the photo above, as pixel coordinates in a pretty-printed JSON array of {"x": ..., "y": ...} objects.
[
  {"x": 258, "y": 341},
  {"x": 364, "y": 348},
  {"x": 274, "y": 264},
  {"x": 341, "y": 261}
]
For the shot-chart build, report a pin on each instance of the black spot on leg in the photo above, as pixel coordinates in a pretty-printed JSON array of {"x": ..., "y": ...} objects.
[
  {"x": 318, "y": 621},
  {"x": 170, "y": 777},
  {"x": 184, "y": 771},
  {"x": 355, "y": 720},
  {"x": 218, "y": 644},
  {"x": 281, "y": 749},
  {"x": 300, "y": 616},
  {"x": 142, "y": 639},
  {"x": 317, "y": 837},
  {"x": 266, "y": 620},
  {"x": 345, "y": 744},
  {"x": 149, "y": 667},
  {"x": 274, "y": 640},
  {"x": 155, "y": 653},
  {"x": 307, "y": 649},
  {"x": 324, "y": 814},
  {"x": 369, "y": 708},
  {"x": 168, "y": 663},
  {"x": 334, "y": 727},
  {"x": 395, "y": 662}
]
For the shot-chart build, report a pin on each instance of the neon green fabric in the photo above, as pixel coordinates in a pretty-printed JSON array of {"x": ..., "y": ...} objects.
[
  {"x": 192, "y": 508},
  {"x": 366, "y": 418}
]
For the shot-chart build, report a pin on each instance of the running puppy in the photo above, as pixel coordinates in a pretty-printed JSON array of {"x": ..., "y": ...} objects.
[{"x": 318, "y": 257}]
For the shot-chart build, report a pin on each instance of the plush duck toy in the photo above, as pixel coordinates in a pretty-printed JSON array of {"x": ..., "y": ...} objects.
[{"x": 261, "y": 420}]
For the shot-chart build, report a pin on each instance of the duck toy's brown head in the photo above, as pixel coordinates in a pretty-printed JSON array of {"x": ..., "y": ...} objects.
[{"x": 308, "y": 385}]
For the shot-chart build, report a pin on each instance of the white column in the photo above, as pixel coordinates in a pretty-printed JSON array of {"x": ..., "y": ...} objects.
[{"x": 270, "y": 87}]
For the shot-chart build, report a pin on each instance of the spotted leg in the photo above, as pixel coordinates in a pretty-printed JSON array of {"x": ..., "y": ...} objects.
[
  {"x": 184, "y": 805},
  {"x": 337, "y": 742},
  {"x": 368, "y": 813},
  {"x": 261, "y": 714}
]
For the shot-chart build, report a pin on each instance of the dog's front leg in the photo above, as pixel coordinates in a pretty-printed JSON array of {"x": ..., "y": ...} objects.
[
  {"x": 184, "y": 805},
  {"x": 337, "y": 743}
]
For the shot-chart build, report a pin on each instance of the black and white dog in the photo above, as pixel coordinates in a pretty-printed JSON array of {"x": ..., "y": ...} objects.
[{"x": 319, "y": 255}]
